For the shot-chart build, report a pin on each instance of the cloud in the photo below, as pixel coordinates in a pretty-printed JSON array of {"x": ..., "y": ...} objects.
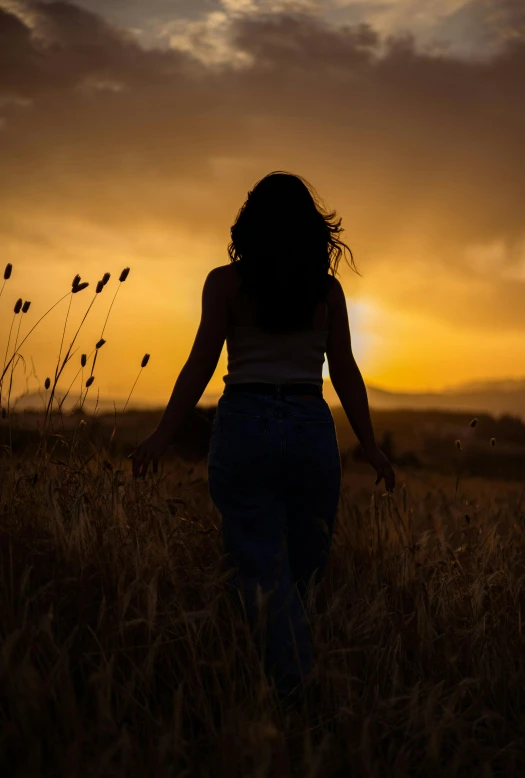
[
  {"x": 482, "y": 26},
  {"x": 422, "y": 154},
  {"x": 58, "y": 46},
  {"x": 461, "y": 27}
]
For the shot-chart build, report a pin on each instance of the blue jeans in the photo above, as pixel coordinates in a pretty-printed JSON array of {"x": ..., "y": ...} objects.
[{"x": 275, "y": 476}]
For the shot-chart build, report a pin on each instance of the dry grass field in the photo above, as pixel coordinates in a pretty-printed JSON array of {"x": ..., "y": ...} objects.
[{"x": 122, "y": 655}]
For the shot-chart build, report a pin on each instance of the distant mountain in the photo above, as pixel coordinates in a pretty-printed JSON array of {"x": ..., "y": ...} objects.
[
  {"x": 36, "y": 401},
  {"x": 494, "y": 397},
  {"x": 505, "y": 385}
]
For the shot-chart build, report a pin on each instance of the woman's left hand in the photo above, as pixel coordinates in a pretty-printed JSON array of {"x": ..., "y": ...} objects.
[{"x": 149, "y": 450}]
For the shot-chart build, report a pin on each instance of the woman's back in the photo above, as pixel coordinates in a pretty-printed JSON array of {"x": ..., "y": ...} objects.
[
  {"x": 274, "y": 468},
  {"x": 256, "y": 355}
]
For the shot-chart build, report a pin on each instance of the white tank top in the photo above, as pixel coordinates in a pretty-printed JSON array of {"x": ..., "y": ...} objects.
[{"x": 277, "y": 358}]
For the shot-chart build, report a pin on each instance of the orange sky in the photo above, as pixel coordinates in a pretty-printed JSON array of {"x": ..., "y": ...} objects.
[{"x": 117, "y": 151}]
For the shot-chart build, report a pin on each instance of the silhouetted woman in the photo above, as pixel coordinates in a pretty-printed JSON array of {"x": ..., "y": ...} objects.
[{"x": 274, "y": 465}]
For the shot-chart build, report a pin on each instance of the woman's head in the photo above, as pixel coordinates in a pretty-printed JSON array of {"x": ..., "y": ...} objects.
[{"x": 285, "y": 244}]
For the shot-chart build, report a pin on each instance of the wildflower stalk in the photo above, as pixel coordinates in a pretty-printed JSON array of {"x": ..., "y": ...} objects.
[
  {"x": 7, "y": 275},
  {"x": 68, "y": 355},
  {"x": 105, "y": 278},
  {"x": 122, "y": 278},
  {"x": 80, "y": 370},
  {"x": 63, "y": 332},
  {"x": 6, "y": 367},
  {"x": 102, "y": 283},
  {"x": 88, "y": 384},
  {"x": 145, "y": 360},
  {"x": 458, "y": 445},
  {"x": 24, "y": 309}
]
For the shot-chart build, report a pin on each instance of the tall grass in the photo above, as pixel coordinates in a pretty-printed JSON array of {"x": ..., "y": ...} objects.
[
  {"x": 122, "y": 654},
  {"x": 76, "y": 286}
]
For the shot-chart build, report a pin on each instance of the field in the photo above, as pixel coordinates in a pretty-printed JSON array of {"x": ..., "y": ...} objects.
[{"x": 122, "y": 655}]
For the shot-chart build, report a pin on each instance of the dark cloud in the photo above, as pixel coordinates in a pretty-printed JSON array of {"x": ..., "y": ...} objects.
[
  {"x": 482, "y": 25},
  {"x": 425, "y": 138},
  {"x": 138, "y": 14},
  {"x": 412, "y": 149},
  {"x": 302, "y": 44},
  {"x": 19, "y": 62},
  {"x": 67, "y": 45}
]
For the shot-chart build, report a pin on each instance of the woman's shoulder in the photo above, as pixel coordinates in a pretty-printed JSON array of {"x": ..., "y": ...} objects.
[
  {"x": 334, "y": 290},
  {"x": 226, "y": 276}
]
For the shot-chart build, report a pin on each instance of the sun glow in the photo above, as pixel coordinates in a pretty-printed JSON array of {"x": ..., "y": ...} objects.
[{"x": 365, "y": 319}]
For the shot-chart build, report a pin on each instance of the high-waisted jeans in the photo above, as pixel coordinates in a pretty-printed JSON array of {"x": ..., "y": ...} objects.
[{"x": 275, "y": 476}]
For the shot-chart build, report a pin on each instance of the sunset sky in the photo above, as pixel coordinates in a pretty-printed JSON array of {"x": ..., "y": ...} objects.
[{"x": 131, "y": 132}]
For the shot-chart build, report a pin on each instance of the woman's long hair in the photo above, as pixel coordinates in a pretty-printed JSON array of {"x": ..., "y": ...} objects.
[{"x": 284, "y": 244}]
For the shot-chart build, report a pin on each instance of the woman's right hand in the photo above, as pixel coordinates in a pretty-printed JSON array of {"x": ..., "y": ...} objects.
[{"x": 382, "y": 466}]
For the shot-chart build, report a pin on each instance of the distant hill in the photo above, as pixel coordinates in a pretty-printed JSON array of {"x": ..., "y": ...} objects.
[
  {"x": 494, "y": 397},
  {"x": 36, "y": 401}
]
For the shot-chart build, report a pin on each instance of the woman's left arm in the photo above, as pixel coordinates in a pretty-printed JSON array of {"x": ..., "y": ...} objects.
[{"x": 194, "y": 376}]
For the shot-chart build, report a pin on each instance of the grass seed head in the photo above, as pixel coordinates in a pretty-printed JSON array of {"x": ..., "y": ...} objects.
[
  {"x": 47, "y": 383},
  {"x": 18, "y": 305},
  {"x": 105, "y": 278},
  {"x": 83, "y": 360},
  {"x": 75, "y": 282},
  {"x": 90, "y": 381},
  {"x": 145, "y": 360},
  {"x": 8, "y": 270},
  {"x": 458, "y": 444},
  {"x": 100, "y": 343},
  {"x": 473, "y": 422},
  {"x": 25, "y": 306},
  {"x": 80, "y": 287},
  {"x": 100, "y": 287},
  {"x": 124, "y": 275}
]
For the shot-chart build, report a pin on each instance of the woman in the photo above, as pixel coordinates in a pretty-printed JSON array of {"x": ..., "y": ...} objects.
[{"x": 274, "y": 466}]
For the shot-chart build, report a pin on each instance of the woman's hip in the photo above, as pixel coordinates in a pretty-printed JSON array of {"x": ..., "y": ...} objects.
[{"x": 248, "y": 449}]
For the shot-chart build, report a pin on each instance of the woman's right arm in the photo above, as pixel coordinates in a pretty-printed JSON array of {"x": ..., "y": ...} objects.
[{"x": 349, "y": 385}]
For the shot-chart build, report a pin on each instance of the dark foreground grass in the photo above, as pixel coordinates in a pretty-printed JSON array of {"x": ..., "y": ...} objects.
[{"x": 122, "y": 654}]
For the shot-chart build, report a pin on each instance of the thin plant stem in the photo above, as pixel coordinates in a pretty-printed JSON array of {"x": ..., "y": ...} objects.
[
  {"x": 80, "y": 370},
  {"x": 110, "y": 307},
  {"x": 132, "y": 388},
  {"x": 8, "y": 414},
  {"x": 85, "y": 397},
  {"x": 13, "y": 365},
  {"x": 5, "y": 357},
  {"x": 94, "y": 362},
  {"x": 104, "y": 327},
  {"x": 64, "y": 332},
  {"x": 66, "y": 359},
  {"x": 6, "y": 367}
]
